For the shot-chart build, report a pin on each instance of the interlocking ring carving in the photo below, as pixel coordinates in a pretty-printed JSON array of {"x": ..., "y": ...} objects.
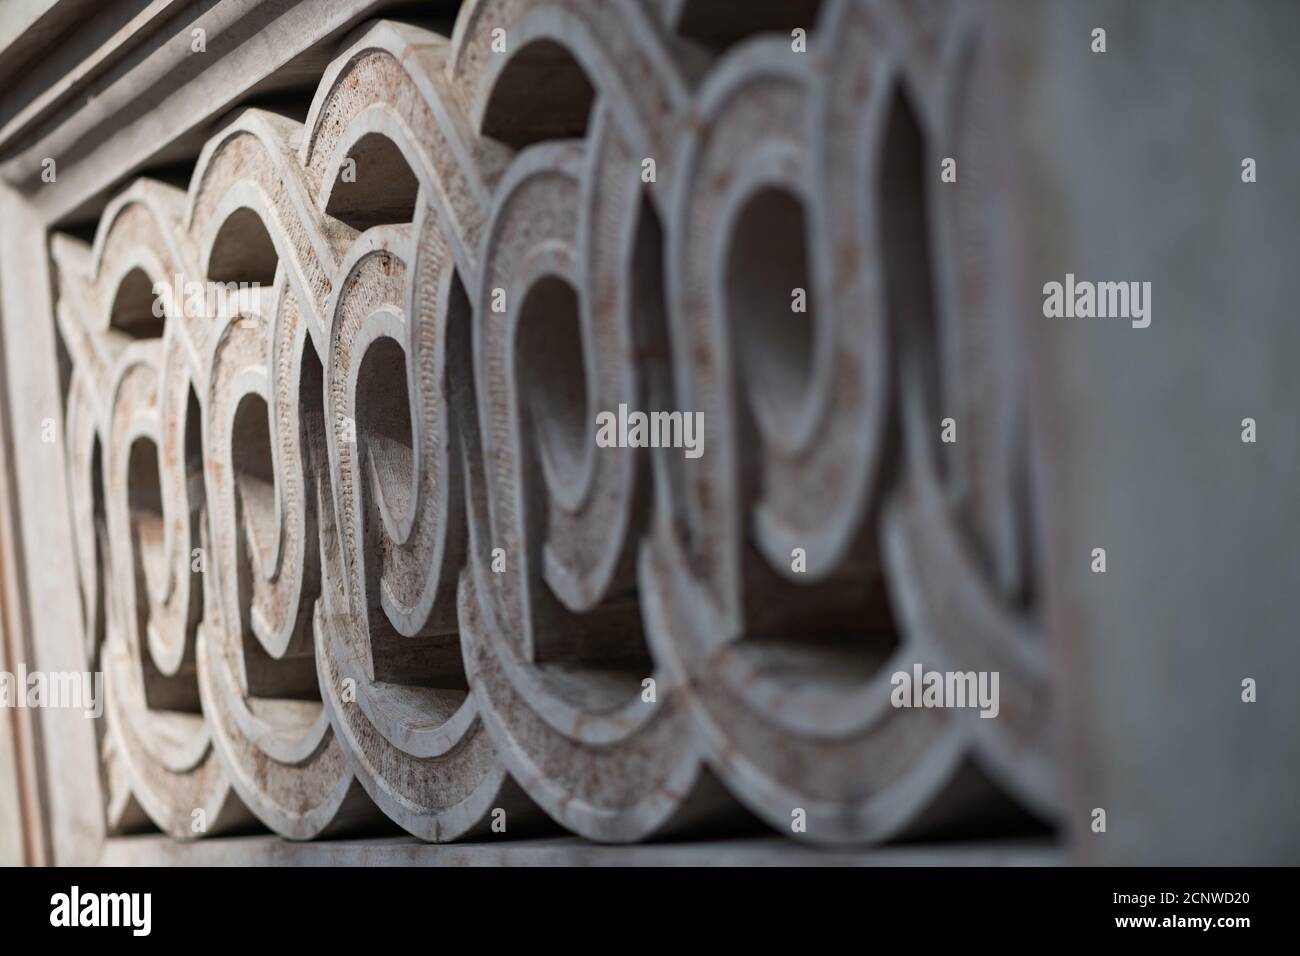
[{"x": 348, "y": 547}]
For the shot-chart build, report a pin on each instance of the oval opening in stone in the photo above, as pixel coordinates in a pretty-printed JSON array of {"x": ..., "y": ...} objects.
[
  {"x": 384, "y": 423},
  {"x": 553, "y": 378},
  {"x": 767, "y": 277}
]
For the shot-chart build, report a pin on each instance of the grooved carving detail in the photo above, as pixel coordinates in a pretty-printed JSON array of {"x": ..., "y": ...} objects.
[{"x": 348, "y": 546}]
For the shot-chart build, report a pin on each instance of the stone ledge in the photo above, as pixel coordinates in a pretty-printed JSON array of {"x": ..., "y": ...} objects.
[{"x": 157, "y": 850}]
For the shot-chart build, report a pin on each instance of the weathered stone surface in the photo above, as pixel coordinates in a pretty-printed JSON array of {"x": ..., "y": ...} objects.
[{"x": 346, "y": 538}]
